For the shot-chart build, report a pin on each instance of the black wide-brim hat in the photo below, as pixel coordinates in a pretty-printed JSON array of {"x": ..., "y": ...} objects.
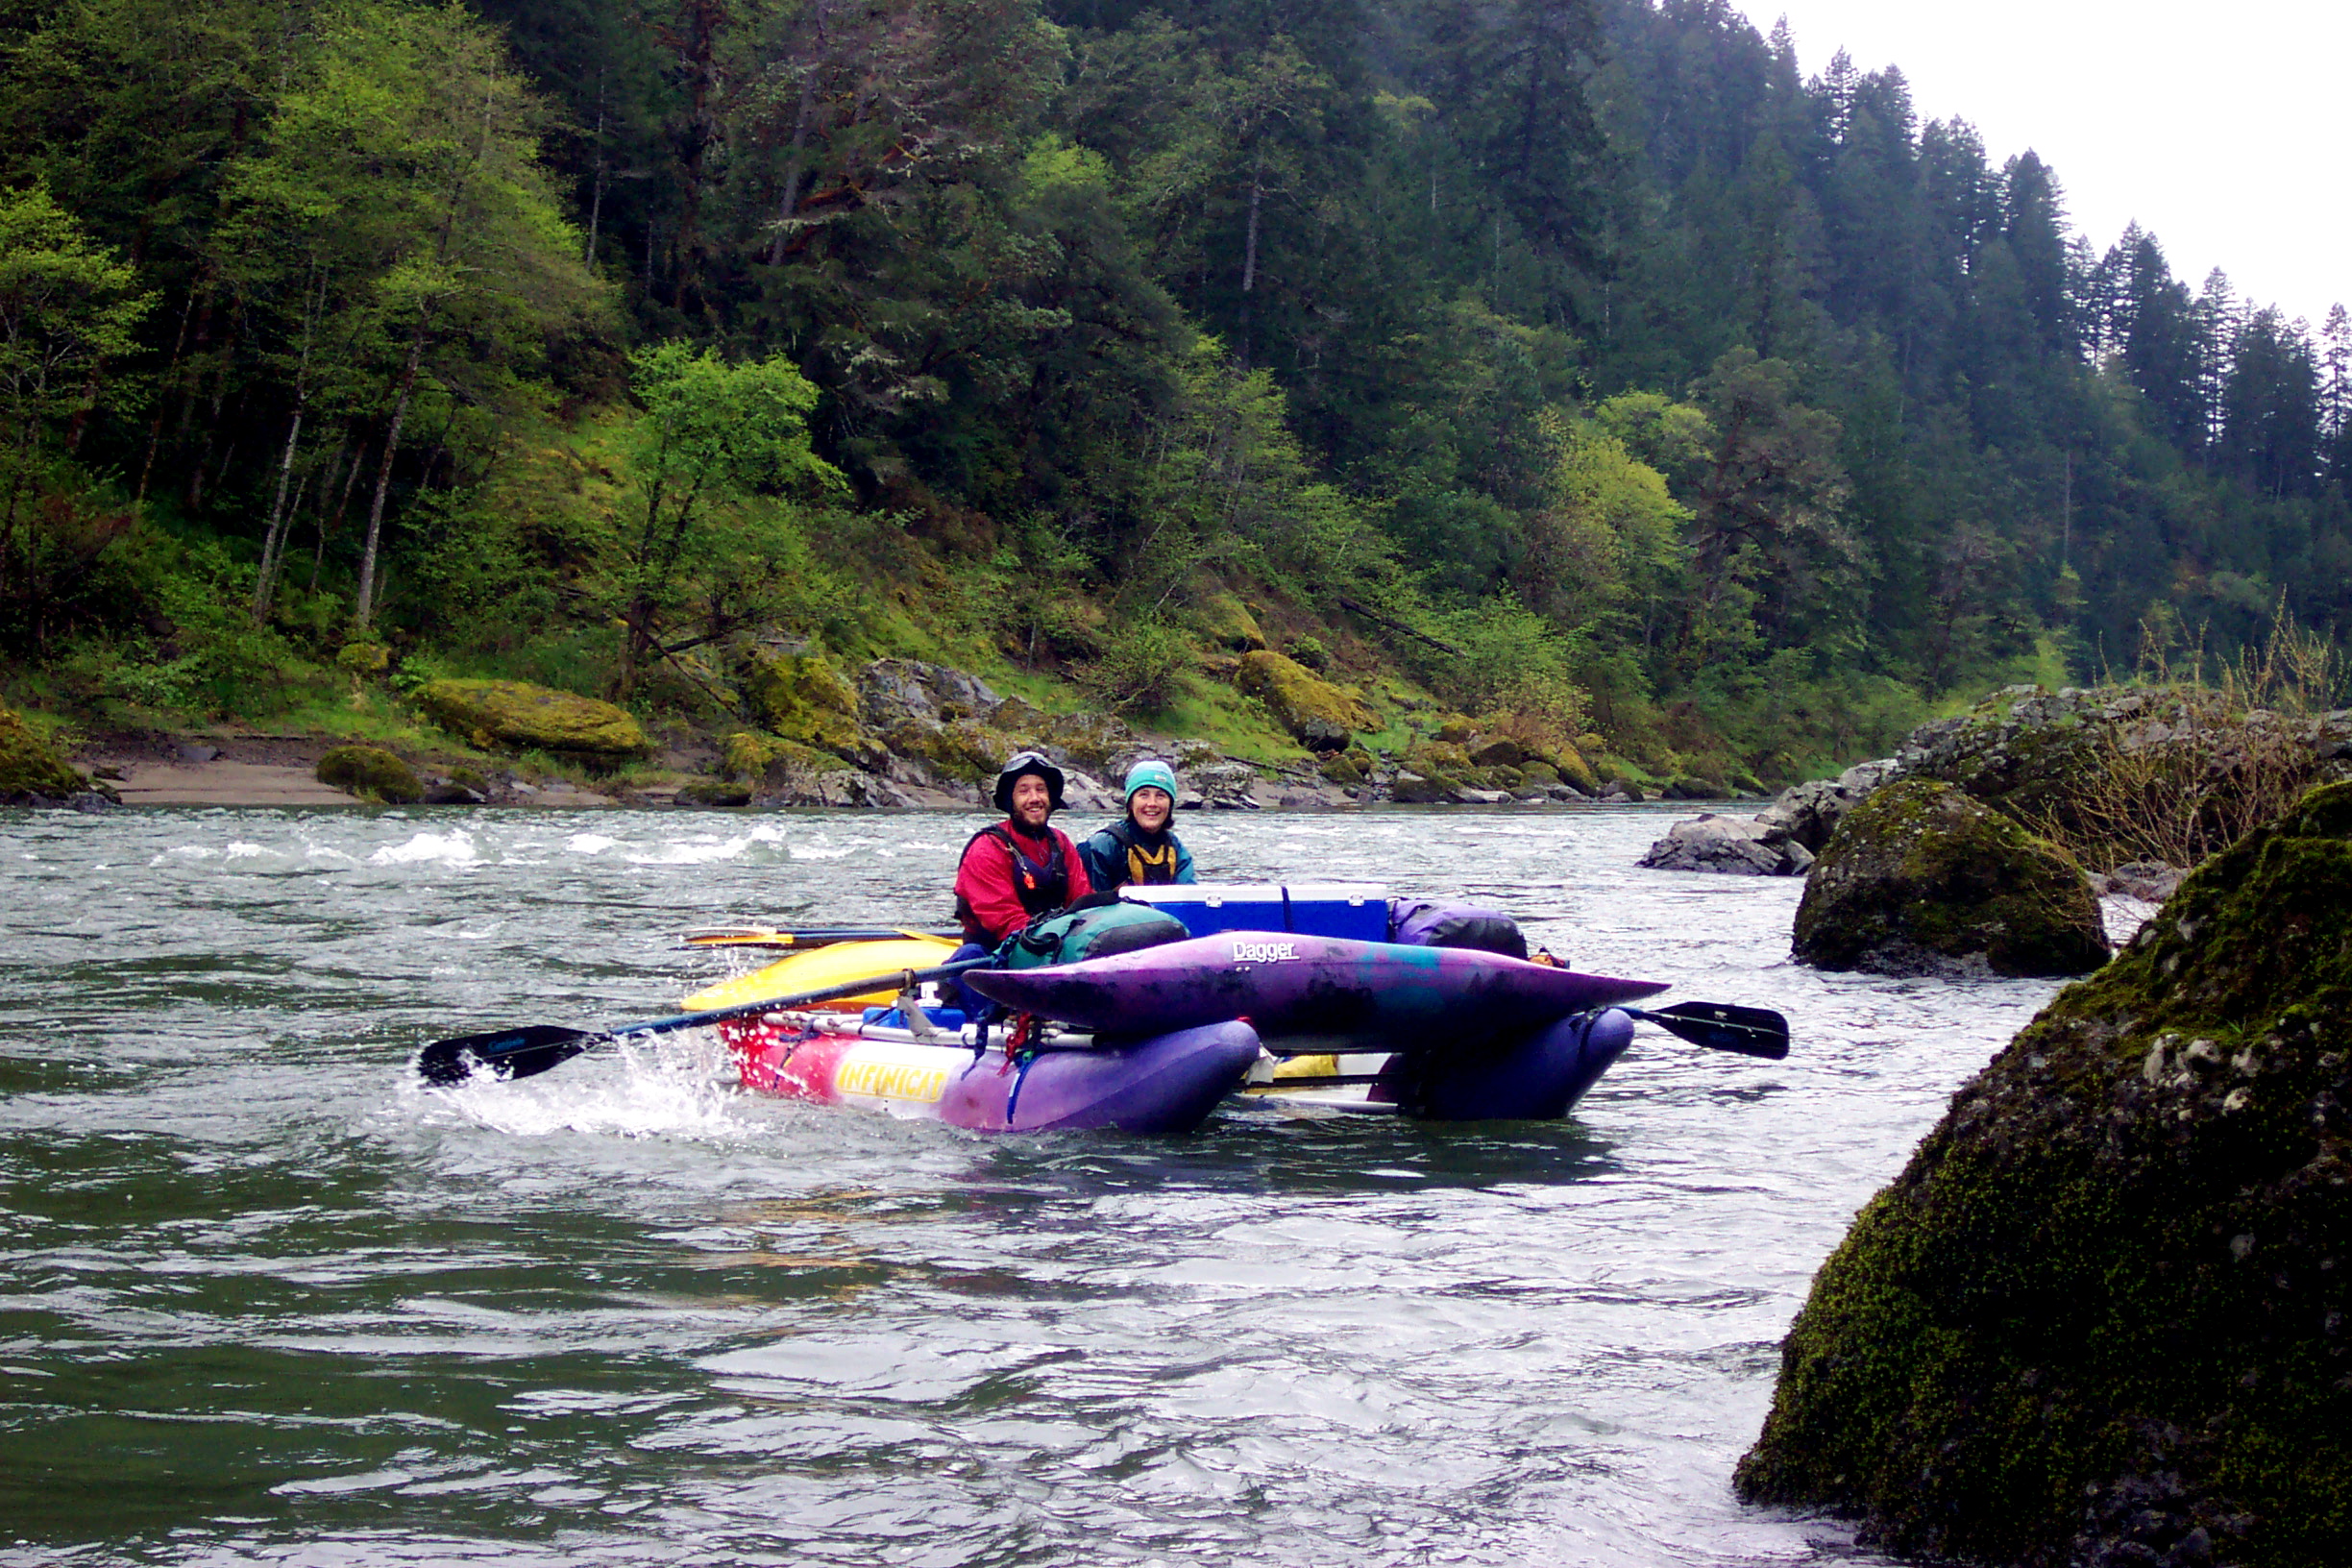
[{"x": 1027, "y": 762}]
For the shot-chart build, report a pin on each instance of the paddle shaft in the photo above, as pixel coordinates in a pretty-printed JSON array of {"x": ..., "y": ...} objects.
[
  {"x": 524, "y": 1052},
  {"x": 824, "y": 937}
]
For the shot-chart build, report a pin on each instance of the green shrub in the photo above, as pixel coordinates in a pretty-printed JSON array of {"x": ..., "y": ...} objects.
[{"x": 1142, "y": 665}]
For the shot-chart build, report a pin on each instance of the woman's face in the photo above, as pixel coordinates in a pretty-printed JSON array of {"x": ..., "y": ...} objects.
[{"x": 1150, "y": 806}]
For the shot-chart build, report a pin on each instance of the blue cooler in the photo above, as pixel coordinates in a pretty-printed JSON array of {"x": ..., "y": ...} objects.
[{"x": 1354, "y": 911}]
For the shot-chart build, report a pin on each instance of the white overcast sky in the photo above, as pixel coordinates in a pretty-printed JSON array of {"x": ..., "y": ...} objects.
[{"x": 2219, "y": 126}]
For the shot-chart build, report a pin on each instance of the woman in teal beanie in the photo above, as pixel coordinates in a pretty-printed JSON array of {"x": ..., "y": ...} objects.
[{"x": 1138, "y": 847}]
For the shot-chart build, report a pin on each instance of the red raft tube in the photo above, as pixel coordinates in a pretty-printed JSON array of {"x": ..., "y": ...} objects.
[{"x": 1161, "y": 1084}]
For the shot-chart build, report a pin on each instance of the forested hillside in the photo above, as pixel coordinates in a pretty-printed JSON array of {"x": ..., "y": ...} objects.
[{"x": 1575, "y": 358}]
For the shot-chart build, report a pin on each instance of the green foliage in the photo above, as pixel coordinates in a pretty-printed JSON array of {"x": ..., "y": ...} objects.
[
  {"x": 713, "y": 432},
  {"x": 1142, "y": 667},
  {"x": 1759, "y": 413}
]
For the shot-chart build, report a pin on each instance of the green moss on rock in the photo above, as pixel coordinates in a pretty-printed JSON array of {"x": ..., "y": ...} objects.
[
  {"x": 1226, "y": 622},
  {"x": 30, "y": 766},
  {"x": 2102, "y": 1314},
  {"x": 372, "y": 773},
  {"x": 1318, "y": 715},
  {"x": 747, "y": 756},
  {"x": 803, "y": 697},
  {"x": 1921, "y": 877},
  {"x": 1575, "y": 769},
  {"x": 518, "y": 715}
]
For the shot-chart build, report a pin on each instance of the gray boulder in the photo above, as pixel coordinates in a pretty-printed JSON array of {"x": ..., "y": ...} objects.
[
  {"x": 1227, "y": 786},
  {"x": 1728, "y": 845},
  {"x": 894, "y": 691},
  {"x": 787, "y": 785}
]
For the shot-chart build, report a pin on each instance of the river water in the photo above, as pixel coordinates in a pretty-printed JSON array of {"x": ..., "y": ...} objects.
[{"x": 262, "y": 1299}]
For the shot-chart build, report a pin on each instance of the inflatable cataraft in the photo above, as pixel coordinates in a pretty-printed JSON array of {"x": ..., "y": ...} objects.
[{"x": 1143, "y": 1013}]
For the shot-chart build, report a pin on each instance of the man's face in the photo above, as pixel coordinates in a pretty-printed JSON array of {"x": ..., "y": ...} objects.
[
  {"x": 1150, "y": 806},
  {"x": 1031, "y": 801}
]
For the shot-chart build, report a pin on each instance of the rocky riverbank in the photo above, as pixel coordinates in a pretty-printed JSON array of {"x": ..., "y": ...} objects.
[{"x": 815, "y": 732}]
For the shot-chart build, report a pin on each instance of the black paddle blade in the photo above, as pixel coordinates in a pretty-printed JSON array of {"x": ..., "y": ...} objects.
[
  {"x": 502, "y": 1053},
  {"x": 1720, "y": 1026}
]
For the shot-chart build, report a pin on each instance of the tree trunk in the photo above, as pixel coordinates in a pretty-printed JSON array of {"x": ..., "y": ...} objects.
[
  {"x": 1249, "y": 248},
  {"x": 274, "y": 541},
  {"x": 596, "y": 186},
  {"x": 327, "y": 524},
  {"x": 363, "y": 609},
  {"x": 800, "y": 142}
]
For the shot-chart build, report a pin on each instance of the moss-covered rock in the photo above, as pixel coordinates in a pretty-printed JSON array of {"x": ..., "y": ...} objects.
[
  {"x": 800, "y": 696},
  {"x": 31, "y": 770},
  {"x": 965, "y": 753},
  {"x": 1226, "y": 622},
  {"x": 518, "y": 715},
  {"x": 1342, "y": 768},
  {"x": 1575, "y": 769},
  {"x": 1537, "y": 773},
  {"x": 372, "y": 773},
  {"x": 1094, "y": 741},
  {"x": 1497, "y": 752},
  {"x": 1921, "y": 878},
  {"x": 1318, "y": 715},
  {"x": 2102, "y": 1315},
  {"x": 748, "y": 755},
  {"x": 1439, "y": 759}
]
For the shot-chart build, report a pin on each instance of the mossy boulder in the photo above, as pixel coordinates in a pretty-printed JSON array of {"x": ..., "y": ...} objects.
[
  {"x": 372, "y": 773},
  {"x": 1575, "y": 769},
  {"x": 518, "y": 715},
  {"x": 1439, "y": 759},
  {"x": 1920, "y": 879},
  {"x": 1343, "y": 768},
  {"x": 2102, "y": 1315},
  {"x": 1094, "y": 741},
  {"x": 1498, "y": 752},
  {"x": 1226, "y": 622},
  {"x": 800, "y": 696},
  {"x": 1318, "y": 715},
  {"x": 965, "y": 753},
  {"x": 748, "y": 755},
  {"x": 31, "y": 770},
  {"x": 1538, "y": 774}
]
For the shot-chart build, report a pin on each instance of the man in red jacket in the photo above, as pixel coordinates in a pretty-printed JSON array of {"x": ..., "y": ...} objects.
[{"x": 1016, "y": 869}]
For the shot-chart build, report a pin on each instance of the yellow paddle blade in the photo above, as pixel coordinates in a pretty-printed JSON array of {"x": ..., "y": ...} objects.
[
  {"x": 745, "y": 936},
  {"x": 822, "y": 966}
]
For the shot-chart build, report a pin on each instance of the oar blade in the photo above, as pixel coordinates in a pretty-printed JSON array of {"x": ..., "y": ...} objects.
[
  {"x": 1722, "y": 1026},
  {"x": 502, "y": 1053}
]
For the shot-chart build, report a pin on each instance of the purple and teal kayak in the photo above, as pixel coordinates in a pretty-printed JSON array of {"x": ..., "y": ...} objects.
[{"x": 1286, "y": 984}]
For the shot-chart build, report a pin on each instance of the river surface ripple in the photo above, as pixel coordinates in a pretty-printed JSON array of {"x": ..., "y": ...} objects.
[{"x": 262, "y": 1299}]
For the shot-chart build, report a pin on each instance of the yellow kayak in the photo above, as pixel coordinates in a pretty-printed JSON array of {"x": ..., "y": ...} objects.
[{"x": 822, "y": 966}]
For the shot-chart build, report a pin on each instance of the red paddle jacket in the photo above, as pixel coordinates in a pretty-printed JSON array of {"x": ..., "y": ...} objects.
[{"x": 989, "y": 887}]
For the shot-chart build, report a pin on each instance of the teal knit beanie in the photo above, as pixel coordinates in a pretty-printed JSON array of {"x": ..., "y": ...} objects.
[{"x": 1151, "y": 773}]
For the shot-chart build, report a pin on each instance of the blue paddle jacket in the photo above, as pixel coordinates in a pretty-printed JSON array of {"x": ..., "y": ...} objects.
[{"x": 1122, "y": 854}]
